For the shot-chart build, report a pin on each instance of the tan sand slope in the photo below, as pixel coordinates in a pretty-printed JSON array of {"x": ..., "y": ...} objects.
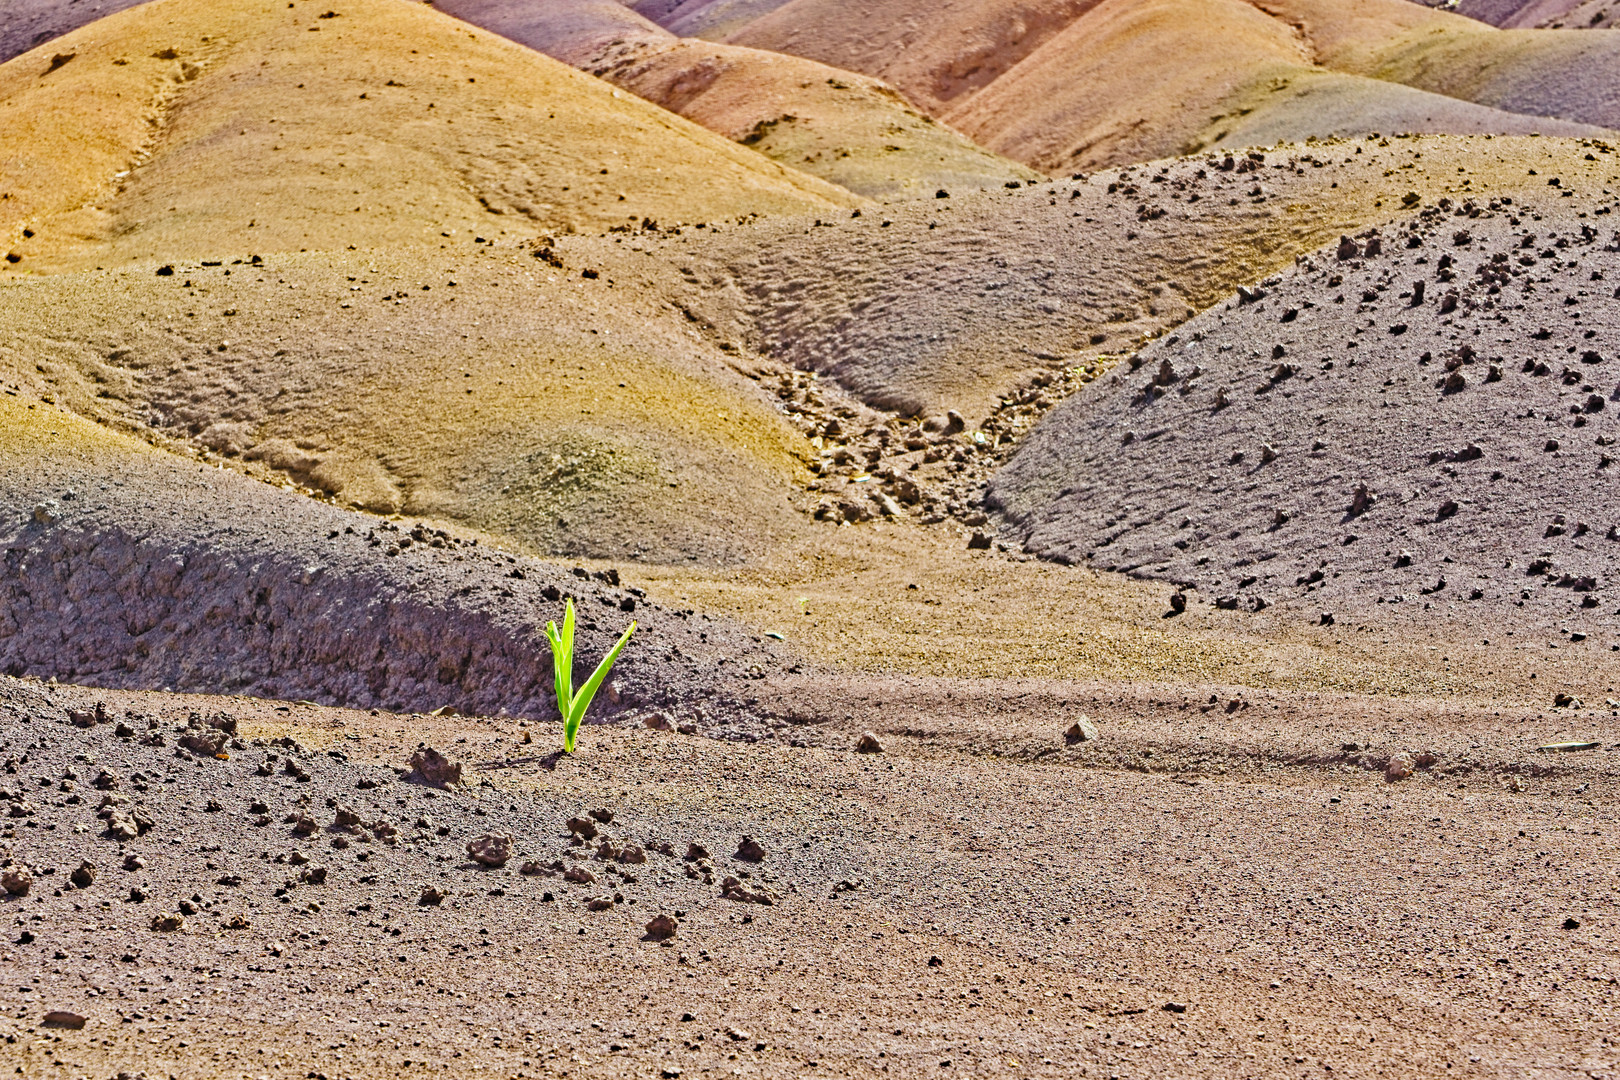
[
  {"x": 849, "y": 129},
  {"x": 957, "y": 303},
  {"x": 1242, "y": 79},
  {"x": 1554, "y": 73},
  {"x": 568, "y": 415},
  {"x": 190, "y": 129}
]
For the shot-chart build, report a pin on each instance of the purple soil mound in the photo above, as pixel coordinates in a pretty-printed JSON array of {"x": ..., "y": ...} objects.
[
  {"x": 1524, "y": 14},
  {"x": 196, "y": 579},
  {"x": 1460, "y": 373},
  {"x": 28, "y": 24}
]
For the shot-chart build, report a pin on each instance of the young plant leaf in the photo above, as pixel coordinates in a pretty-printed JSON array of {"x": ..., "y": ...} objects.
[
  {"x": 562, "y": 660},
  {"x": 582, "y": 700},
  {"x": 572, "y": 706}
]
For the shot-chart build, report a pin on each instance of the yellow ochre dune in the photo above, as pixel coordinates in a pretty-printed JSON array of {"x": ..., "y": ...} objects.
[{"x": 184, "y": 128}]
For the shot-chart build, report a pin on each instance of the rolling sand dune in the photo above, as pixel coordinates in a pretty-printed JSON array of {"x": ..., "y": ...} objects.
[
  {"x": 1073, "y": 104},
  {"x": 851, "y": 130},
  {"x": 1056, "y": 85},
  {"x": 648, "y": 412},
  {"x": 937, "y": 55},
  {"x": 1553, "y": 73},
  {"x": 955, "y": 303},
  {"x": 182, "y": 128},
  {"x": 568, "y": 414}
]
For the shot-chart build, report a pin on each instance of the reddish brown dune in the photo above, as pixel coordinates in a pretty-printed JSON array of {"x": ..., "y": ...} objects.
[
  {"x": 937, "y": 55},
  {"x": 849, "y": 129},
  {"x": 1242, "y": 79},
  {"x": 1057, "y": 85}
]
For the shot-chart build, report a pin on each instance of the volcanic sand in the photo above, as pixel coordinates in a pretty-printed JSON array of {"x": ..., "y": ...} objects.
[
  {"x": 31, "y": 23},
  {"x": 710, "y": 19},
  {"x": 180, "y": 129},
  {"x": 849, "y": 129},
  {"x": 1477, "y": 415}
]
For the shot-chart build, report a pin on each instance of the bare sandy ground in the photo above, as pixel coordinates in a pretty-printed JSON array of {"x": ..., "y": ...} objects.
[
  {"x": 920, "y": 785},
  {"x": 932, "y": 910}
]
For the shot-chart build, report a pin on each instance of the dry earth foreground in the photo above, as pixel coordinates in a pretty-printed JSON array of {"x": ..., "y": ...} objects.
[
  {"x": 222, "y": 887},
  {"x": 1100, "y": 613}
]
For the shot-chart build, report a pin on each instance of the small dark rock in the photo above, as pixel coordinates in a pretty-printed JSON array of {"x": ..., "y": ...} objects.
[{"x": 491, "y": 849}]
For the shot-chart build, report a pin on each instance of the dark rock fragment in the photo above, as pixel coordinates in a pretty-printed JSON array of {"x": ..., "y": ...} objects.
[
  {"x": 432, "y": 768},
  {"x": 491, "y": 849}
]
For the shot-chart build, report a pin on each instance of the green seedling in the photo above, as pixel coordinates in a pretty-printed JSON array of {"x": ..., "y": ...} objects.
[{"x": 572, "y": 705}]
